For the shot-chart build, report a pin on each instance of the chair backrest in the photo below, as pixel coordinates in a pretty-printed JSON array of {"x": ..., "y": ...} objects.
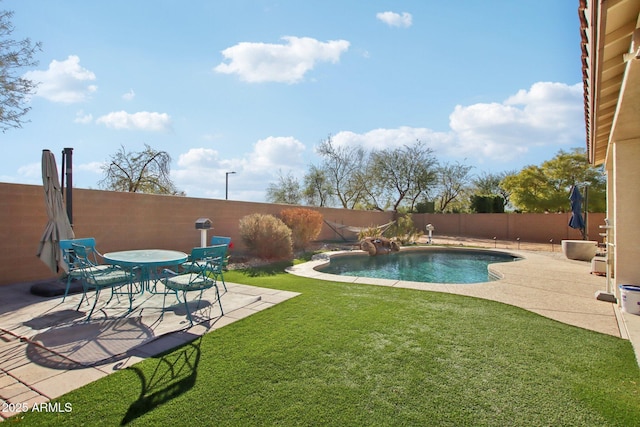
[
  {"x": 211, "y": 254},
  {"x": 81, "y": 253},
  {"x": 220, "y": 240},
  {"x": 89, "y": 243},
  {"x": 205, "y": 261}
]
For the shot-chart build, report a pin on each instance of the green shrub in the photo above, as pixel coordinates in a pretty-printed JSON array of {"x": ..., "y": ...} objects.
[
  {"x": 305, "y": 225},
  {"x": 371, "y": 231},
  {"x": 266, "y": 236},
  {"x": 487, "y": 204},
  {"x": 403, "y": 230},
  {"x": 425, "y": 207}
]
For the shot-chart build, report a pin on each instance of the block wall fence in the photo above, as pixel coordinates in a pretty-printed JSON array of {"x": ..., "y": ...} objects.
[{"x": 121, "y": 221}]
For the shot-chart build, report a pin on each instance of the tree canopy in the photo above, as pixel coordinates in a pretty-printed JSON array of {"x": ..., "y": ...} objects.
[
  {"x": 400, "y": 175},
  {"x": 490, "y": 185},
  {"x": 15, "y": 90},
  {"x": 343, "y": 168},
  {"x": 545, "y": 188},
  {"x": 317, "y": 189},
  {"x": 142, "y": 172},
  {"x": 410, "y": 179},
  {"x": 452, "y": 182},
  {"x": 352, "y": 178},
  {"x": 286, "y": 191}
]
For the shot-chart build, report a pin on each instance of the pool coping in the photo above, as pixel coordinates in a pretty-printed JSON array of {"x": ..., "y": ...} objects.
[
  {"x": 308, "y": 269},
  {"x": 319, "y": 260}
]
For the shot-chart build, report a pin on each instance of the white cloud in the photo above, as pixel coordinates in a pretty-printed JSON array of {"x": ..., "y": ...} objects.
[
  {"x": 285, "y": 63},
  {"x": 93, "y": 167},
  {"x": 199, "y": 158},
  {"x": 129, "y": 95},
  {"x": 268, "y": 155},
  {"x": 32, "y": 170},
  {"x": 64, "y": 81},
  {"x": 27, "y": 174},
  {"x": 393, "y": 19},
  {"x": 202, "y": 171},
  {"x": 380, "y": 139},
  {"x": 273, "y": 153},
  {"x": 551, "y": 105},
  {"x": 548, "y": 114},
  {"x": 83, "y": 118},
  {"x": 143, "y": 120}
]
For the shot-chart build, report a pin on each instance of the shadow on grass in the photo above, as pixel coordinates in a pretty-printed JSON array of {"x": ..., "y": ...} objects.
[
  {"x": 174, "y": 374},
  {"x": 269, "y": 269}
]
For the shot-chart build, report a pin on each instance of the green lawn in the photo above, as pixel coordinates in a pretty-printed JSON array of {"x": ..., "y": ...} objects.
[{"x": 357, "y": 355}]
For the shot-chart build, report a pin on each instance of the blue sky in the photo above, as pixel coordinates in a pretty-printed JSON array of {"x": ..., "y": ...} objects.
[{"x": 254, "y": 86}]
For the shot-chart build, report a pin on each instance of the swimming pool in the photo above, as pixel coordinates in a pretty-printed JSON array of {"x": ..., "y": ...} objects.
[{"x": 433, "y": 265}]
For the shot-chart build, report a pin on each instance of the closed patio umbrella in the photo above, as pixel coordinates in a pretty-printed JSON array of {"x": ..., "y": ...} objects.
[
  {"x": 577, "y": 220},
  {"x": 58, "y": 227}
]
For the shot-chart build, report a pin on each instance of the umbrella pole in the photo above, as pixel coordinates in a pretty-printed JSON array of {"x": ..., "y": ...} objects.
[
  {"x": 67, "y": 168},
  {"x": 585, "y": 232}
]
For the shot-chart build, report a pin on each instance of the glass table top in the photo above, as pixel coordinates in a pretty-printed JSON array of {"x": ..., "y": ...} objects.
[{"x": 146, "y": 257}]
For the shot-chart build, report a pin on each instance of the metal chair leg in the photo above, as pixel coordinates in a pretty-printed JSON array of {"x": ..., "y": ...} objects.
[{"x": 95, "y": 302}]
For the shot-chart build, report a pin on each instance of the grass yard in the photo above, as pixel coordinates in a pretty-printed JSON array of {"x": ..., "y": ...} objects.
[{"x": 360, "y": 355}]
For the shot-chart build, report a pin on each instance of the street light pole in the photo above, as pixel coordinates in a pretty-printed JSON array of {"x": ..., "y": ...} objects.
[{"x": 226, "y": 186}]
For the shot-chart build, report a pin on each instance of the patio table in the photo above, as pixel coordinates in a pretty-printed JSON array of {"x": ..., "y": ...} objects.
[{"x": 148, "y": 260}]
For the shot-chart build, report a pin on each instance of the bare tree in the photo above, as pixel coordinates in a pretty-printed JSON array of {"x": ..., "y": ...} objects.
[
  {"x": 452, "y": 182},
  {"x": 317, "y": 188},
  {"x": 14, "y": 90},
  {"x": 143, "y": 172},
  {"x": 286, "y": 191},
  {"x": 401, "y": 175},
  {"x": 343, "y": 167}
]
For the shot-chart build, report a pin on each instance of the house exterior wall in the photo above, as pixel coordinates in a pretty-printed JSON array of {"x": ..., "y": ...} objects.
[
  {"x": 626, "y": 207},
  {"x": 121, "y": 221}
]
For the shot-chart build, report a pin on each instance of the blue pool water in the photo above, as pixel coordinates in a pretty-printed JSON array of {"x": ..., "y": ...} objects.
[{"x": 430, "y": 265}]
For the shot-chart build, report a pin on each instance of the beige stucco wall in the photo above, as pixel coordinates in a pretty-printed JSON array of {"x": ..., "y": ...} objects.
[
  {"x": 626, "y": 207},
  {"x": 540, "y": 228},
  {"x": 122, "y": 221}
]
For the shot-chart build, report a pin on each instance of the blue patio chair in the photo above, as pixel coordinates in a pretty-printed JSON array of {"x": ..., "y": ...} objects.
[
  {"x": 199, "y": 275},
  {"x": 216, "y": 266},
  {"x": 111, "y": 277},
  {"x": 222, "y": 240},
  {"x": 66, "y": 246}
]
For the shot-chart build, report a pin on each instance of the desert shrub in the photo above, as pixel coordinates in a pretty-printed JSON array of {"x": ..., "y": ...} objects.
[
  {"x": 305, "y": 225},
  {"x": 266, "y": 236},
  {"x": 403, "y": 230},
  {"x": 371, "y": 231}
]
